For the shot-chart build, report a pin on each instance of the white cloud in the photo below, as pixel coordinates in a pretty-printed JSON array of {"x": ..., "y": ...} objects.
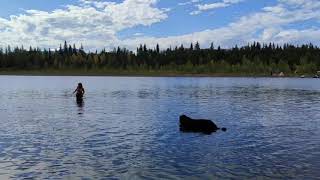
[
  {"x": 94, "y": 23},
  {"x": 97, "y": 4},
  {"x": 211, "y": 6},
  {"x": 265, "y": 26},
  {"x": 138, "y": 34},
  {"x": 188, "y": 2}
]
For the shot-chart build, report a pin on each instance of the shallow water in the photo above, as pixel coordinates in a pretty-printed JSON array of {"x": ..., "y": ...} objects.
[{"x": 127, "y": 128}]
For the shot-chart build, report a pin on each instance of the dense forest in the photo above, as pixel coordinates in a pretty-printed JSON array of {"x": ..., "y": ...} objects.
[{"x": 255, "y": 58}]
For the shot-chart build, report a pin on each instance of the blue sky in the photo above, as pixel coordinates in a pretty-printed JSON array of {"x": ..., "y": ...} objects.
[{"x": 101, "y": 24}]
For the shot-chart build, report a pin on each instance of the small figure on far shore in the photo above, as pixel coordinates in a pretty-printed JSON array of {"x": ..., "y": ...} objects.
[{"x": 80, "y": 92}]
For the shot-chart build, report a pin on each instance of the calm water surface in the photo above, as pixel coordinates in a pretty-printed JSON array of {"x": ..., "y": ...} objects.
[{"x": 127, "y": 128}]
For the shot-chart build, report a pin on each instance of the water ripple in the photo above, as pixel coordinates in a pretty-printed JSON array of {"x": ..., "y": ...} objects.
[{"x": 128, "y": 128}]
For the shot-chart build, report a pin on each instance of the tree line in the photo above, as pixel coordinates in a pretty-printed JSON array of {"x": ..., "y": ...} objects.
[{"x": 254, "y": 58}]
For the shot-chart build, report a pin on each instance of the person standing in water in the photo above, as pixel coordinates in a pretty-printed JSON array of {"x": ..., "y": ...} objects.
[{"x": 80, "y": 91}]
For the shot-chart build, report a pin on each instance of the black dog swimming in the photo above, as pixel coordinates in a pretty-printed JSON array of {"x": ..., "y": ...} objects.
[{"x": 188, "y": 124}]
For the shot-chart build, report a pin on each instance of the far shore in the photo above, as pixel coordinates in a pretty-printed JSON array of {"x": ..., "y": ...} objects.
[{"x": 135, "y": 74}]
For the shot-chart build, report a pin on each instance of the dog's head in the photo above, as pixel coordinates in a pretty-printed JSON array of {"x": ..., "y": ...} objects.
[{"x": 184, "y": 118}]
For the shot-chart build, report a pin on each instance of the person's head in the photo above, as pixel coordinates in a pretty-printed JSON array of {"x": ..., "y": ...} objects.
[{"x": 80, "y": 85}]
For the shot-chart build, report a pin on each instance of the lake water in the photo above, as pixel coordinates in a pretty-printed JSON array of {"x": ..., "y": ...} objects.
[{"x": 127, "y": 128}]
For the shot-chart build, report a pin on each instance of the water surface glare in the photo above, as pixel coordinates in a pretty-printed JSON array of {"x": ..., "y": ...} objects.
[{"x": 127, "y": 128}]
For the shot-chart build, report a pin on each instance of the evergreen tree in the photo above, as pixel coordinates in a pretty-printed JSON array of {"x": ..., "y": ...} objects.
[{"x": 255, "y": 58}]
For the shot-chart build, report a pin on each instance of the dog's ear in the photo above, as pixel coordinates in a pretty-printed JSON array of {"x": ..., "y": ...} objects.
[{"x": 183, "y": 116}]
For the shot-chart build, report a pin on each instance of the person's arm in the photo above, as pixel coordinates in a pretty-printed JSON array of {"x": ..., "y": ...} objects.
[
  {"x": 75, "y": 91},
  {"x": 83, "y": 90}
]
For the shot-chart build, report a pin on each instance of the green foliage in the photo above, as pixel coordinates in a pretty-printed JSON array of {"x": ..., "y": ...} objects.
[{"x": 251, "y": 59}]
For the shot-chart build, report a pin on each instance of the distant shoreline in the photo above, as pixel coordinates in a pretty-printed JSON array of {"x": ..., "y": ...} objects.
[{"x": 132, "y": 74}]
